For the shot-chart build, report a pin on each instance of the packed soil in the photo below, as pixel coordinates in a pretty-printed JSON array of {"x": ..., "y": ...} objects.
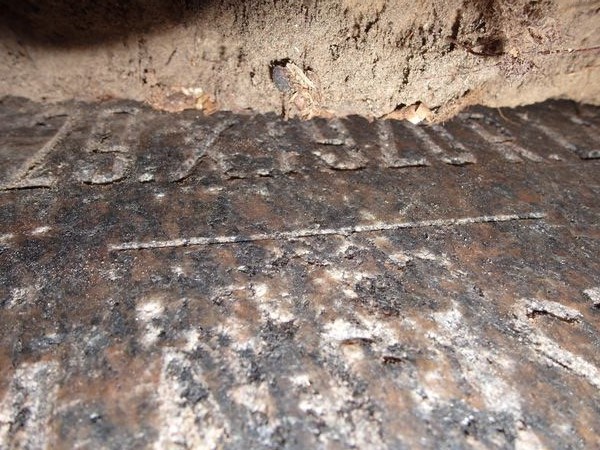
[{"x": 302, "y": 57}]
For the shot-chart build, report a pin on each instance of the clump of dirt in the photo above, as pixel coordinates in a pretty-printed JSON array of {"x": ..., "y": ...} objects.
[
  {"x": 300, "y": 89},
  {"x": 302, "y": 57}
]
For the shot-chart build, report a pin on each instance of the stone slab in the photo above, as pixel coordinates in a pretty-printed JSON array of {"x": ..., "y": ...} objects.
[{"x": 175, "y": 280}]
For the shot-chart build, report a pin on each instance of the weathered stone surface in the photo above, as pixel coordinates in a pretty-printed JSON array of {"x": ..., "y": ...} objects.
[{"x": 247, "y": 282}]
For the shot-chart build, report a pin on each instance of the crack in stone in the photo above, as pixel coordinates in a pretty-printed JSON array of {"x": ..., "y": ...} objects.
[{"x": 313, "y": 232}]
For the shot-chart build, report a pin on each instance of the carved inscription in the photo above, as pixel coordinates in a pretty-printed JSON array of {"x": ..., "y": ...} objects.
[
  {"x": 501, "y": 140},
  {"x": 393, "y": 155},
  {"x": 201, "y": 148},
  {"x": 31, "y": 173},
  {"x": 108, "y": 148},
  {"x": 584, "y": 152},
  {"x": 456, "y": 153},
  {"x": 126, "y": 143},
  {"x": 339, "y": 152}
]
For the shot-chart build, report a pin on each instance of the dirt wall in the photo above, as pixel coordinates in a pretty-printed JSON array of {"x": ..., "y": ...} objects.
[{"x": 335, "y": 57}]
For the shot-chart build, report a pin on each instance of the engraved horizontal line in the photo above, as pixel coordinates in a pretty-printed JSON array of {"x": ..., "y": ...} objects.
[{"x": 314, "y": 232}]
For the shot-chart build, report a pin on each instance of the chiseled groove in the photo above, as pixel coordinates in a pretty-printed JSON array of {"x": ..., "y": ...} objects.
[
  {"x": 313, "y": 232},
  {"x": 18, "y": 180}
]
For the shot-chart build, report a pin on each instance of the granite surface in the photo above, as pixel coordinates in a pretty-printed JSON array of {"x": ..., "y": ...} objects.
[{"x": 235, "y": 282}]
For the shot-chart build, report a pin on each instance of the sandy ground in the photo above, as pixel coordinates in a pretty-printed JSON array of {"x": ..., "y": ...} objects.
[{"x": 301, "y": 57}]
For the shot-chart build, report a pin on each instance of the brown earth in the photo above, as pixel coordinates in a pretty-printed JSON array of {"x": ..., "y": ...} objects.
[{"x": 334, "y": 57}]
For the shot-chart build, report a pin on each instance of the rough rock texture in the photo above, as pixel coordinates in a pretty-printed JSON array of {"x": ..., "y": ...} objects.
[
  {"x": 366, "y": 58},
  {"x": 234, "y": 282}
]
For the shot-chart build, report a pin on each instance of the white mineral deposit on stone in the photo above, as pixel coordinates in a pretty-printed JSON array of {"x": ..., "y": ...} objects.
[
  {"x": 178, "y": 419},
  {"x": 6, "y": 237},
  {"x": 146, "y": 177},
  {"x": 274, "y": 305},
  {"x": 594, "y": 295},
  {"x": 380, "y": 331},
  {"x": 177, "y": 270},
  {"x": 365, "y": 215},
  {"x": 332, "y": 274},
  {"x": 362, "y": 431},
  {"x": 547, "y": 349},
  {"x": 146, "y": 311},
  {"x": 41, "y": 230},
  {"x": 341, "y": 329},
  {"x": 385, "y": 330},
  {"x": 33, "y": 388},
  {"x": 555, "y": 309},
  {"x": 428, "y": 255},
  {"x": 192, "y": 339},
  {"x": 243, "y": 336},
  {"x": 490, "y": 380},
  {"x": 253, "y": 397},
  {"x": 528, "y": 440},
  {"x": 350, "y": 293},
  {"x": 400, "y": 258},
  {"x": 300, "y": 379},
  {"x": 22, "y": 295}
]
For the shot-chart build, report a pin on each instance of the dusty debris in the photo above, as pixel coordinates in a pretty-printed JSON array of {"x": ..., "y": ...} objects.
[
  {"x": 178, "y": 99},
  {"x": 415, "y": 113},
  {"x": 300, "y": 89},
  {"x": 369, "y": 56},
  {"x": 594, "y": 295}
]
